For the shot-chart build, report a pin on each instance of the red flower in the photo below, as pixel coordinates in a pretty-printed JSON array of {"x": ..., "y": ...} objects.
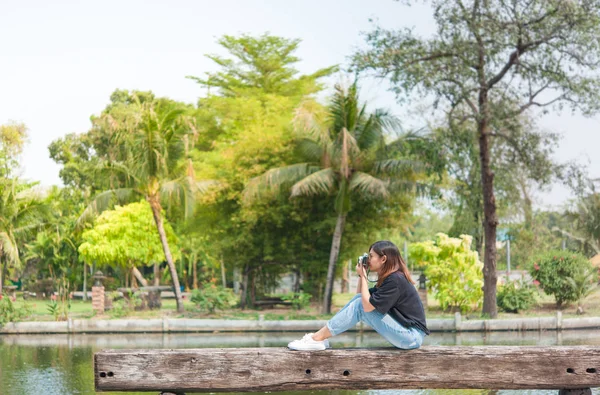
[
  {"x": 536, "y": 282},
  {"x": 53, "y": 297},
  {"x": 536, "y": 266}
]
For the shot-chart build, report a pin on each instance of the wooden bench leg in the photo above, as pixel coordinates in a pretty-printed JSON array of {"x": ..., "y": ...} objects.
[{"x": 581, "y": 391}]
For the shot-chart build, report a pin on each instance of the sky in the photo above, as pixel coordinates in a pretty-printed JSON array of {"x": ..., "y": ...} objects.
[{"x": 61, "y": 60}]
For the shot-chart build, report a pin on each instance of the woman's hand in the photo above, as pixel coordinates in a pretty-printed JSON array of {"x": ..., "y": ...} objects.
[{"x": 360, "y": 270}]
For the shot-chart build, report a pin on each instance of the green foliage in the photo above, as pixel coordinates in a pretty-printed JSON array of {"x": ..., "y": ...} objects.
[
  {"x": 121, "y": 307},
  {"x": 10, "y": 312},
  {"x": 553, "y": 269},
  {"x": 585, "y": 222},
  {"x": 54, "y": 309},
  {"x": 245, "y": 131},
  {"x": 212, "y": 297},
  {"x": 299, "y": 300},
  {"x": 453, "y": 270},
  {"x": 22, "y": 213},
  {"x": 126, "y": 236},
  {"x": 584, "y": 281},
  {"x": 260, "y": 66},
  {"x": 13, "y": 137},
  {"x": 515, "y": 296}
]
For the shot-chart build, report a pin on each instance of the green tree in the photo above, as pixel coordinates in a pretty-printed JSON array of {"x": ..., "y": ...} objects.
[
  {"x": 244, "y": 130},
  {"x": 260, "y": 66},
  {"x": 453, "y": 270},
  {"x": 13, "y": 137},
  {"x": 584, "y": 219},
  {"x": 490, "y": 62},
  {"x": 343, "y": 150},
  {"x": 153, "y": 137},
  {"x": 125, "y": 237},
  {"x": 21, "y": 213}
]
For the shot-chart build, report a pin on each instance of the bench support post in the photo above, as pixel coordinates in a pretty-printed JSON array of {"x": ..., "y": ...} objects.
[{"x": 581, "y": 391}]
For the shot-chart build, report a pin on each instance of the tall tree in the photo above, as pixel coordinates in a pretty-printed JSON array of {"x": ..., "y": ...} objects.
[
  {"x": 259, "y": 66},
  {"x": 343, "y": 153},
  {"x": 154, "y": 166},
  {"x": 13, "y": 137},
  {"x": 488, "y": 55},
  {"x": 22, "y": 211},
  {"x": 245, "y": 130}
]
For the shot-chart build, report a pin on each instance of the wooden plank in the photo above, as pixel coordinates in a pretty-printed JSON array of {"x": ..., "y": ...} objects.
[{"x": 279, "y": 369}]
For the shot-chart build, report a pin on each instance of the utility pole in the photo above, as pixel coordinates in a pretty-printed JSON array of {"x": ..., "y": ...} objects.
[{"x": 508, "y": 258}]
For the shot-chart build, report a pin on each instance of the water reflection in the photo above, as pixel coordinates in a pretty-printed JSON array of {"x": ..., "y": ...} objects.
[{"x": 62, "y": 364}]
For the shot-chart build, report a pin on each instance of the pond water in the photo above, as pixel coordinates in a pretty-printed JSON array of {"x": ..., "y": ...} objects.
[{"x": 62, "y": 364}]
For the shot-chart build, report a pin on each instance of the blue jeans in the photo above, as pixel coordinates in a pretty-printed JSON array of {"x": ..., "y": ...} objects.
[{"x": 386, "y": 326}]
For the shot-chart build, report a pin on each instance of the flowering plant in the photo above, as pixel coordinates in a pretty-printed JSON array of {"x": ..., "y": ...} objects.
[{"x": 552, "y": 270}]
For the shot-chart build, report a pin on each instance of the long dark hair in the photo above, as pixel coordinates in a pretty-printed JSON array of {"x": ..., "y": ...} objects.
[{"x": 394, "y": 260}]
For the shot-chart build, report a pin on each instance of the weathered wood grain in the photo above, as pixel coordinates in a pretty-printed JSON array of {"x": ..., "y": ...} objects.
[{"x": 279, "y": 369}]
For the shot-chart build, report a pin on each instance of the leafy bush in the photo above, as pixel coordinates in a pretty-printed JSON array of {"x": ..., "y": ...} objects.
[
  {"x": 123, "y": 306},
  {"x": 553, "y": 269},
  {"x": 212, "y": 297},
  {"x": 583, "y": 283},
  {"x": 514, "y": 296},
  {"x": 300, "y": 300},
  {"x": 453, "y": 270},
  {"x": 44, "y": 287},
  {"x": 9, "y": 312}
]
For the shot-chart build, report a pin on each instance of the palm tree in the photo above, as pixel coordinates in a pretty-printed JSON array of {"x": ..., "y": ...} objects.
[
  {"x": 156, "y": 168},
  {"x": 585, "y": 223},
  {"x": 21, "y": 212},
  {"x": 344, "y": 151}
]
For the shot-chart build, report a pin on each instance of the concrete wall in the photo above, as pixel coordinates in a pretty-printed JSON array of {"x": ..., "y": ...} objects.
[{"x": 165, "y": 325}]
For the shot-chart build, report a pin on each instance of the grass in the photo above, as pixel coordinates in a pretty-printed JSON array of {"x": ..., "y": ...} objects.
[{"x": 83, "y": 310}]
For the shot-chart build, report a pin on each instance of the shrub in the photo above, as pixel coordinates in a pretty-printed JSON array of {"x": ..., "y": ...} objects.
[
  {"x": 583, "y": 283},
  {"x": 123, "y": 306},
  {"x": 9, "y": 312},
  {"x": 299, "y": 300},
  {"x": 553, "y": 269},
  {"x": 514, "y": 296},
  {"x": 453, "y": 270},
  {"x": 212, "y": 297}
]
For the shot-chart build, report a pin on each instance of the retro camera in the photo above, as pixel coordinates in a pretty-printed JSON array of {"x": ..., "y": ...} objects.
[{"x": 364, "y": 260}]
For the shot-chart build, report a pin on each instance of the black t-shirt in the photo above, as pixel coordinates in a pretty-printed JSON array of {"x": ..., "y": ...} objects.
[{"x": 399, "y": 298}]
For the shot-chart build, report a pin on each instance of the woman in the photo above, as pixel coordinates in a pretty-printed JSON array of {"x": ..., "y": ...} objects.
[{"x": 393, "y": 308}]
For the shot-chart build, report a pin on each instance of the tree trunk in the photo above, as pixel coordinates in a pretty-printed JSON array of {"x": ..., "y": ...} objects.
[
  {"x": 155, "y": 205},
  {"x": 1, "y": 276},
  {"x": 527, "y": 204},
  {"x": 4, "y": 268},
  {"x": 223, "y": 277},
  {"x": 345, "y": 277},
  {"x": 490, "y": 221},
  {"x": 136, "y": 273},
  {"x": 296, "y": 286},
  {"x": 244, "y": 295},
  {"x": 156, "y": 271},
  {"x": 333, "y": 257},
  {"x": 252, "y": 288},
  {"x": 195, "y": 271}
]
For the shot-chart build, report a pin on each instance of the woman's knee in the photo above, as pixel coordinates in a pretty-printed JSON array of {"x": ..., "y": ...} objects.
[{"x": 407, "y": 341}]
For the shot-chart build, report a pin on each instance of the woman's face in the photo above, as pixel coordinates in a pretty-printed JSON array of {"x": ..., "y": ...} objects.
[{"x": 376, "y": 261}]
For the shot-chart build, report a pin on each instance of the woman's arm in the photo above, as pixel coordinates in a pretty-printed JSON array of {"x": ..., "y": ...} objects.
[{"x": 363, "y": 288}]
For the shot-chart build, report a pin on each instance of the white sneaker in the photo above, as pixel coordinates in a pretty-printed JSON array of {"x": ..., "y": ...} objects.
[{"x": 308, "y": 344}]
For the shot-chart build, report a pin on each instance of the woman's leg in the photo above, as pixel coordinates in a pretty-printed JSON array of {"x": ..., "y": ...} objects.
[
  {"x": 325, "y": 333},
  {"x": 385, "y": 325}
]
